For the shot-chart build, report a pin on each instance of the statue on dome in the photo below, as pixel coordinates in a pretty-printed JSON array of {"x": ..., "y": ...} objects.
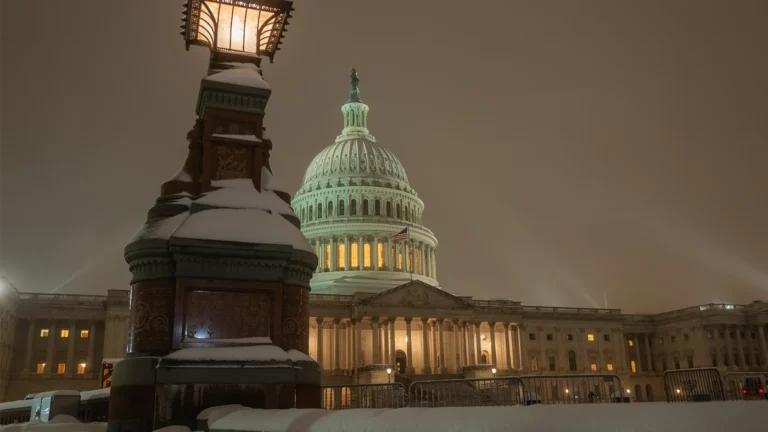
[{"x": 354, "y": 94}]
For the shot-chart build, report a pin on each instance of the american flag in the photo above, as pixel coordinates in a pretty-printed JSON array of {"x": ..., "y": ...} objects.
[{"x": 402, "y": 235}]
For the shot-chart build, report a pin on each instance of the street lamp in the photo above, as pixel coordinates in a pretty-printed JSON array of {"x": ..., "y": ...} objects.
[
  {"x": 389, "y": 375},
  {"x": 494, "y": 372},
  {"x": 243, "y": 28}
]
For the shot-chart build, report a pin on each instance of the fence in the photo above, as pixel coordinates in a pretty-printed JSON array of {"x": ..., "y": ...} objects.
[
  {"x": 339, "y": 397},
  {"x": 573, "y": 389},
  {"x": 693, "y": 385},
  {"x": 745, "y": 385},
  {"x": 466, "y": 392}
]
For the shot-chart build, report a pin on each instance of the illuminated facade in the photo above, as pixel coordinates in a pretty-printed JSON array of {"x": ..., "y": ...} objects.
[{"x": 354, "y": 198}]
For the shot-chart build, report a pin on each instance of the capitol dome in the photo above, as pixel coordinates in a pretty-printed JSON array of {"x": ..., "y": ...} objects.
[{"x": 354, "y": 199}]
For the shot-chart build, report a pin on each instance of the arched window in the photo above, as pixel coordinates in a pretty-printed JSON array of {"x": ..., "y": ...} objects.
[
  {"x": 341, "y": 208},
  {"x": 365, "y": 207},
  {"x": 353, "y": 207},
  {"x": 649, "y": 392},
  {"x": 310, "y": 213},
  {"x": 484, "y": 357},
  {"x": 398, "y": 211},
  {"x": 380, "y": 264},
  {"x": 341, "y": 256},
  {"x": 303, "y": 214},
  {"x": 406, "y": 214},
  {"x": 319, "y": 211},
  {"x": 377, "y": 207},
  {"x": 367, "y": 255},
  {"x": 572, "y": 360},
  {"x": 389, "y": 209},
  {"x": 353, "y": 255},
  {"x": 330, "y": 208}
]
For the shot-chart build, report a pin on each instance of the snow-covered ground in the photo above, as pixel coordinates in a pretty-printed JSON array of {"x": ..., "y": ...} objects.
[{"x": 645, "y": 417}]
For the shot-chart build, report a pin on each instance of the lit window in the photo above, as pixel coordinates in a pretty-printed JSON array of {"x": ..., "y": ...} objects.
[
  {"x": 416, "y": 263},
  {"x": 634, "y": 366},
  {"x": 83, "y": 334},
  {"x": 64, "y": 333},
  {"x": 400, "y": 261},
  {"x": 609, "y": 366},
  {"x": 593, "y": 367},
  {"x": 327, "y": 256},
  {"x": 44, "y": 333},
  {"x": 367, "y": 255},
  {"x": 631, "y": 343},
  {"x": 591, "y": 337},
  {"x": 40, "y": 368},
  {"x": 60, "y": 368},
  {"x": 353, "y": 255},
  {"x": 81, "y": 368},
  {"x": 661, "y": 341},
  {"x": 342, "y": 256},
  {"x": 380, "y": 264}
]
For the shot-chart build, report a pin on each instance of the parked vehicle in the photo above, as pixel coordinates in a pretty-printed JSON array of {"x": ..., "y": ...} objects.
[{"x": 88, "y": 406}]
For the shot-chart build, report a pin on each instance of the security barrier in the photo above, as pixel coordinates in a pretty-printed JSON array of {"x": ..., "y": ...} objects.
[
  {"x": 693, "y": 385},
  {"x": 466, "y": 392},
  {"x": 573, "y": 389},
  {"x": 339, "y": 397}
]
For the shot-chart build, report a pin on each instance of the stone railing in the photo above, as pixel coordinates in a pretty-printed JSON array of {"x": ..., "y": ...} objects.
[
  {"x": 493, "y": 303},
  {"x": 572, "y": 310},
  {"x": 60, "y": 298},
  {"x": 336, "y": 220},
  {"x": 330, "y": 298}
]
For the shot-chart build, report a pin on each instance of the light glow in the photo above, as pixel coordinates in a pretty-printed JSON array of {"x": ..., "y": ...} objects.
[
  {"x": 677, "y": 391},
  {"x": 389, "y": 370}
]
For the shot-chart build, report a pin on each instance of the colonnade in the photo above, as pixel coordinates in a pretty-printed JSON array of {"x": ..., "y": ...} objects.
[{"x": 374, "y": 252}]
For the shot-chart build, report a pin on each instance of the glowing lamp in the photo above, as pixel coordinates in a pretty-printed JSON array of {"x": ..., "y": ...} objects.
[
  {"x": 389, "y": 370},
  {"x": 627, "y": 391},
  {"x": 566, "y": 391},
  {"x": 240, "y": 27},
  {"x": 677, "y": 391}
]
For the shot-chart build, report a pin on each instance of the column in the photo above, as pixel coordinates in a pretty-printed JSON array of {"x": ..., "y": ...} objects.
[
  {"x": 49, "y": 366},
  {"x": 90, "y": 368},
  {"x": 648, "y": 357},
  {"x": 492, "y": 326},
  {"x": 434, "y": 263},
  {"x": 409, "y": 350},
  {"x": 543, "y": 360},
  {"x": 441, "y": 328},
  {"x": 388, "y": 254},
  {"x": 425, "y": 342},
  {"x": 393, "y": 347},
  {"x": 356, "y": 343},
  {"x": 360, "y": 249},
  {"x": 507, "y": 346},
  {"x": 375, "y": 348},
  {"x": 729, "y": 352},
  {"x": 71, "y": 368},
  {"x": 619, "y": 350},
  {"x": 600, "y": 358},
  {"x": 31, "y": 341},
  {"x": 387, "y": 360},
  {"x": 750, "y": 354},
  {"x": 375, "y": 253},
  {"x": 347, "y": 254},
  {"x": 517, "y": 352},
  {"x": 334, "y": 254},
  {"x": 740, "y": 347},
  {"x": 336, "y": 345},
  {"x": 562, "y": 356},
  {"x": 456, "y": 344},
  {"x": 638, "y": 363},
  {"x": 319, "y": 321},
  {"x": 479, "y": 346},
  {"x": 406, "y": 261},
  {"x": 435, "y": 352},
  {"x": 763, "y": 347},
  {"x": 471, "y": 351},
  {"x": 464, "y": 351}
]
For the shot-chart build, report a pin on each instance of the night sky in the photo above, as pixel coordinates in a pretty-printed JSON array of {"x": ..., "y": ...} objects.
[{"x": 563, "y": 148}]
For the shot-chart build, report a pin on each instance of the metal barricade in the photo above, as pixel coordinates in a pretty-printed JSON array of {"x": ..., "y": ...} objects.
[
  {"x": 693, "y": 385},
  {"x": 466, "y": 392},
  {"x": 573, "y": 389},
  {"x": 338, "y": 397},
  {"x": 746, "y": 385}
]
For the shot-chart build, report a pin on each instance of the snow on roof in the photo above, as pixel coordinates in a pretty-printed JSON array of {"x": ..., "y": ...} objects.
[
  {"x": 236, "y": 341},
  {"x": 95, "y": 394},
  {"x": 251, "y": 137},
  {"x": 246, "y": 198},
  {"x": 161, "y": 228},
  {"x": 268, "y": 180},
  {"x": 262, "y": 353},
  {"x": 214, "y": 413},
  {"x": 241, "y": 183},
  {"x": 242, "y": 225},
  {"x": 245, "y": 74},
  {"x": 58, "y": 393},
  {"x": 181, "y": 175},
  {"x": 26, "y": 403}
]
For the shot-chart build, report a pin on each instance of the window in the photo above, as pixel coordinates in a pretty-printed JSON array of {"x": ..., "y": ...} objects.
[
  {"x": 341, "y": 208},
  {"x": 367, "y": 255},
  {"x": 484, "y": 357},
  {"x": 389, "y": 209},
  {"x": 328, "y": 256},
  {"x": 398, "y": 212},
  {"x": 365, "y": 207},
  {"x": 753, "y": 335},
  {"x": 64, "y": 333},
  {"x": 609, "y": 366},
  {"x": 607, "y": 337},
  {"x": 83, "y": 334},
  {"x": 330, "y": 209},
  {"x": 572, "y": 360},
  {"x": 341, "y": 256},
  {"x": 689, "y": 360},
  {"x": 549, "y": 336},
  {"x": 60, "y": 368},
  {"x": 685, "y": 337},
  {"x": 551, "y": 363},
  {"x": 310, "y": 213},
  {"x": 531, "y": 336},
  {"x": 677, "y": 362},
  {"x": 591, "y": 337},
  {"x": 673, "y": 339},
  {"x": 40, "y": 368},
  {"x": 377, "y": 207},
  {"x": 319, "y": 211},
  {"x": 631, "y": 342},
  {"x": 44, "y": 333},
  {"x": 661, "y": 341},
  {"x": 570, "y": 337},
  {"x": 400, "y": 261},
  {"x": 593, "y": 367},
  {"x": 352, "y": 208},
  {"x": 380, "y": 254},
  {"x": 633, "y": 365},
  {"x": 81, "y": 368},
  {"x": 406, "y": 213},
  {"x": 353, "y": 255}
]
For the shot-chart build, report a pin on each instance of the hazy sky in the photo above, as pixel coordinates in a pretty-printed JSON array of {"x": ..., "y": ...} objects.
[{"x": 562, "y": 148}]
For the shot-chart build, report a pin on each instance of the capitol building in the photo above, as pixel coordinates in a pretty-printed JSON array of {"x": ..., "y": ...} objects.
[{"x": 376, "y": 303}]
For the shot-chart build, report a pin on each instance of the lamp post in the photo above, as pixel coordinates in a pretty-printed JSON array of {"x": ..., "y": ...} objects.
[
  {"x": 389, "y": 375},
  {"x": 494, "y": 372}
]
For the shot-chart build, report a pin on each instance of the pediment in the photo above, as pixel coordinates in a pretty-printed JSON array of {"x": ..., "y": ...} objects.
[{"x": 416, "y": 294}]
